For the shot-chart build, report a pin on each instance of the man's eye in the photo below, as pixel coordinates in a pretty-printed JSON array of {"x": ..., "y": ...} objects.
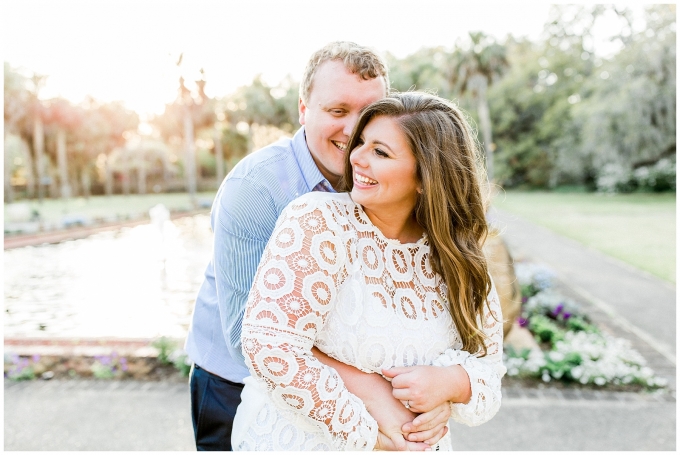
[{"x": 337, "y": 111}]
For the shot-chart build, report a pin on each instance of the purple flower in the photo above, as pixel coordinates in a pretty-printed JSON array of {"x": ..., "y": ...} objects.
[
  {"x": 522, "y": 322},
  {"x": 525, "y": 299},
  {"x": 566, "y": 315},
  {"x": 104, "y": 360},
  {"x": 36, "y": 358}
]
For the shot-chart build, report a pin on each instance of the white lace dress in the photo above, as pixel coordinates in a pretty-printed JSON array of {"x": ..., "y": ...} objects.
[{"x": 329, "y": 278}]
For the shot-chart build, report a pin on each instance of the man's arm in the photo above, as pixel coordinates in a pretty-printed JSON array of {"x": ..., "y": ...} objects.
[
  {"x": 244, "y": 221},
  {"x": 390, "y": 413}
]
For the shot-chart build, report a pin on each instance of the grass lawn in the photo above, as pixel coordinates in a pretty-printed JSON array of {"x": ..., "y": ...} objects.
[
  {"x": 638, "y": 229},
  {"x": 115, "y": 207}
]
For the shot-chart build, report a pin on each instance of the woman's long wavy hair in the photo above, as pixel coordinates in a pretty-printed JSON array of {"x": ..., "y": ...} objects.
[{"x": 451, "y": 208}]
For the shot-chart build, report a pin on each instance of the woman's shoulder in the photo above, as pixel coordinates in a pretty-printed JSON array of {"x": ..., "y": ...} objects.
[{"x": 319, "y": 200}]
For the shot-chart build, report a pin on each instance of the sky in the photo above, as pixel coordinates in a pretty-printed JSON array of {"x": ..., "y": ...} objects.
[{"x": 127, "y": 49}]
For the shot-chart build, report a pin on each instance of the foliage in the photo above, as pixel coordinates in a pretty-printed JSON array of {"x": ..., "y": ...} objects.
[
  {"x": 563, "y": 115},
  {"x": 20, "y": 368},
  {"x": 165, "y": 346},
  {"x": 170, "y": 354},
  {"x": 109, "y": 366},
  {"x": 617, "y": 178},
  {"x": 181, "y": 362},
  {"x": 576, "y": 349},
  {"x": 561, "y": 111}
]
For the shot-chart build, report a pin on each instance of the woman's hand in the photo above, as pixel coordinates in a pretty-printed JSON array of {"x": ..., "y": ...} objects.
[{"x": 424, "y": 387}]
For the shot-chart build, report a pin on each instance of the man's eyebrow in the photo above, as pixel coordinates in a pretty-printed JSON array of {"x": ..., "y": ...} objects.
[{"x": 336, "y": 104}]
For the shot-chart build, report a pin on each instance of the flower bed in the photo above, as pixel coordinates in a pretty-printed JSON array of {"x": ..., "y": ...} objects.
[
  {"x": 169, "y": 363},
  {"x": 573, "y": 349}
]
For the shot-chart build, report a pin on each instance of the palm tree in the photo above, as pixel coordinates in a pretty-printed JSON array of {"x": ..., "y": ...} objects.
[
  {"x": 473, "y": 70},
  {"x": 64, "y": 118}
]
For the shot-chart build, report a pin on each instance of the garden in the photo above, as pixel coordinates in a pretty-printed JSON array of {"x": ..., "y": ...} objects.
[{"x": 571, "y": 349}]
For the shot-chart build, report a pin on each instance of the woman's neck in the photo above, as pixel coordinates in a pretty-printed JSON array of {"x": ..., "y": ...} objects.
[{"x": 398, "y": 226}]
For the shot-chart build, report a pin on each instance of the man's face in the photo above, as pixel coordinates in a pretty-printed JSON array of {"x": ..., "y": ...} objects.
[{"x": 332, "y": 110}]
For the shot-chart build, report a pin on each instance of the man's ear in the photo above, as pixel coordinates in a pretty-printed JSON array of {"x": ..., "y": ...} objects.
[{"x": 301, "y": 110}]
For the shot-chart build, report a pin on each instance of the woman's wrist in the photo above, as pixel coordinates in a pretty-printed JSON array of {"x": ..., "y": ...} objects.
[{"x": 462, "y": 391}]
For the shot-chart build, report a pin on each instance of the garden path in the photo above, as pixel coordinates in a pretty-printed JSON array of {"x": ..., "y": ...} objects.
[
  {"x": 631, "y": 303},
  {"x": 99, "y": 415}
]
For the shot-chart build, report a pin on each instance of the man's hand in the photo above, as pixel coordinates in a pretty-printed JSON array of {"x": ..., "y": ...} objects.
[
  {"x": 429, "y": 427},
  {"x": 398, "y": 443}
]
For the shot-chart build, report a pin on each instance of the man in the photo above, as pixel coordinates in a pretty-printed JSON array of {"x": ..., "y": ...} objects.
[
  {"x": 339, "y": 80},
  {"x": 245, "y": 211}
]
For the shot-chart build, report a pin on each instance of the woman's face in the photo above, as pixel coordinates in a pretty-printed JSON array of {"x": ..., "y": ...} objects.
[{"x": 384, "y": 170}]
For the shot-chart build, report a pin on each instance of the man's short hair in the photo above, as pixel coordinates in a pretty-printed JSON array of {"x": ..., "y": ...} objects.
[{"x": 359, "y": 60}]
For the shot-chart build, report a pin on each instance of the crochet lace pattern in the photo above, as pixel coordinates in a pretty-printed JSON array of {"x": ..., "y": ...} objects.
[{"x": 329, "y": 278}]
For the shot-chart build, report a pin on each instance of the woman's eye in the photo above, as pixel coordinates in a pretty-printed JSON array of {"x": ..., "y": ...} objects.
[{"x": 381, "y": 153}]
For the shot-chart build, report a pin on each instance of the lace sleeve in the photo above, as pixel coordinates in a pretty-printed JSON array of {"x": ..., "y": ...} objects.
[
  {"x": 294, "y": 289},
  {"x": 485, "y": 372}
]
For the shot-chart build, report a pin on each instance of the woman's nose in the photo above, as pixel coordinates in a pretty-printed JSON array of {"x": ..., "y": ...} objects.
[{"x": 357, "y": 157}]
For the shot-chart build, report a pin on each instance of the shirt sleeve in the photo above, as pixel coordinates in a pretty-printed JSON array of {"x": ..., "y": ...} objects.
[
  {"x": 295, "y": 288},
  {"x": 485, "y": 372},
  {"x": 244, "y": 219}
]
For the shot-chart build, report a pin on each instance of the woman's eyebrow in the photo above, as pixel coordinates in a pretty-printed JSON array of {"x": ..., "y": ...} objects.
[{"x": 382, "y": 143}]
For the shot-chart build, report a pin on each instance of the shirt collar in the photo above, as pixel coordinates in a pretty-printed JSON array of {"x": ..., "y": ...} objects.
[{"x": 312, "y": 175}]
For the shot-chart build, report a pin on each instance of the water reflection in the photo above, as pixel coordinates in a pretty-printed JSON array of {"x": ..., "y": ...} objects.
[{"x": 134, "y": 282}]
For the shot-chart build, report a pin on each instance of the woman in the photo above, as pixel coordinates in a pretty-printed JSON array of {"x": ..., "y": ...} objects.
[{"x": 387, "y": 277}]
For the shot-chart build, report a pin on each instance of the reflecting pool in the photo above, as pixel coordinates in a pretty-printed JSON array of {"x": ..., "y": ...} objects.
[{"x": 135, "y": 282}]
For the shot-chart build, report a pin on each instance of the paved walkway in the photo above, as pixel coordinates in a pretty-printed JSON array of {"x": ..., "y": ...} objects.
[
  {"x": 631, "y": 303},
  {"x": 132, "y": 415}
]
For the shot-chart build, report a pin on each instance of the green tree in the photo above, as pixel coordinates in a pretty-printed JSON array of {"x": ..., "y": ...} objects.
[
  {"x": 425, "y": 70},
  {"x": 628, "y": 118},
  {"x": 474, "y": 67}
]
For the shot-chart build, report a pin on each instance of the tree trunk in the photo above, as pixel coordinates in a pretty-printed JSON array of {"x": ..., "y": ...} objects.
[
  {"x": 479, "y": 85},
  {"x": 141, "y": 178},
  {"x": 190, "y": 155},
  {"x": 219, "y": 157},
  {"x": 85, "y": 182},
  {"x": 30, "y": 170},
  {"x": 9, "y": 191},
  {"x": 126, "y": 173},
  {"x": 485, "y": 123},
  {"x": 63, "y": 169},
  {"x": 108, "y": 183},
  {"x": 39, "y": 150}
]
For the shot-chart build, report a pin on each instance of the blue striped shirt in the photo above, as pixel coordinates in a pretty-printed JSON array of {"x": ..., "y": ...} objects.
[{"x": 243, "y": 217}]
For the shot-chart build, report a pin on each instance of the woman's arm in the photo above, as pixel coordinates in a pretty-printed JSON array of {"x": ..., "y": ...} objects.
[
  {"x": 472, "y": 384},
  {"x": 389, "y": 412},
  {"x": 294, "y": 289}
]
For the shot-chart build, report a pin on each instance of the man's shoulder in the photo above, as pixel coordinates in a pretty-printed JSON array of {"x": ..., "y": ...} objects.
[{"x": 266, "y": 159}]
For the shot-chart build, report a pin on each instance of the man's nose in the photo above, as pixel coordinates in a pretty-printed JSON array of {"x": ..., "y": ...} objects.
[{"x": 350, "y": 121}]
